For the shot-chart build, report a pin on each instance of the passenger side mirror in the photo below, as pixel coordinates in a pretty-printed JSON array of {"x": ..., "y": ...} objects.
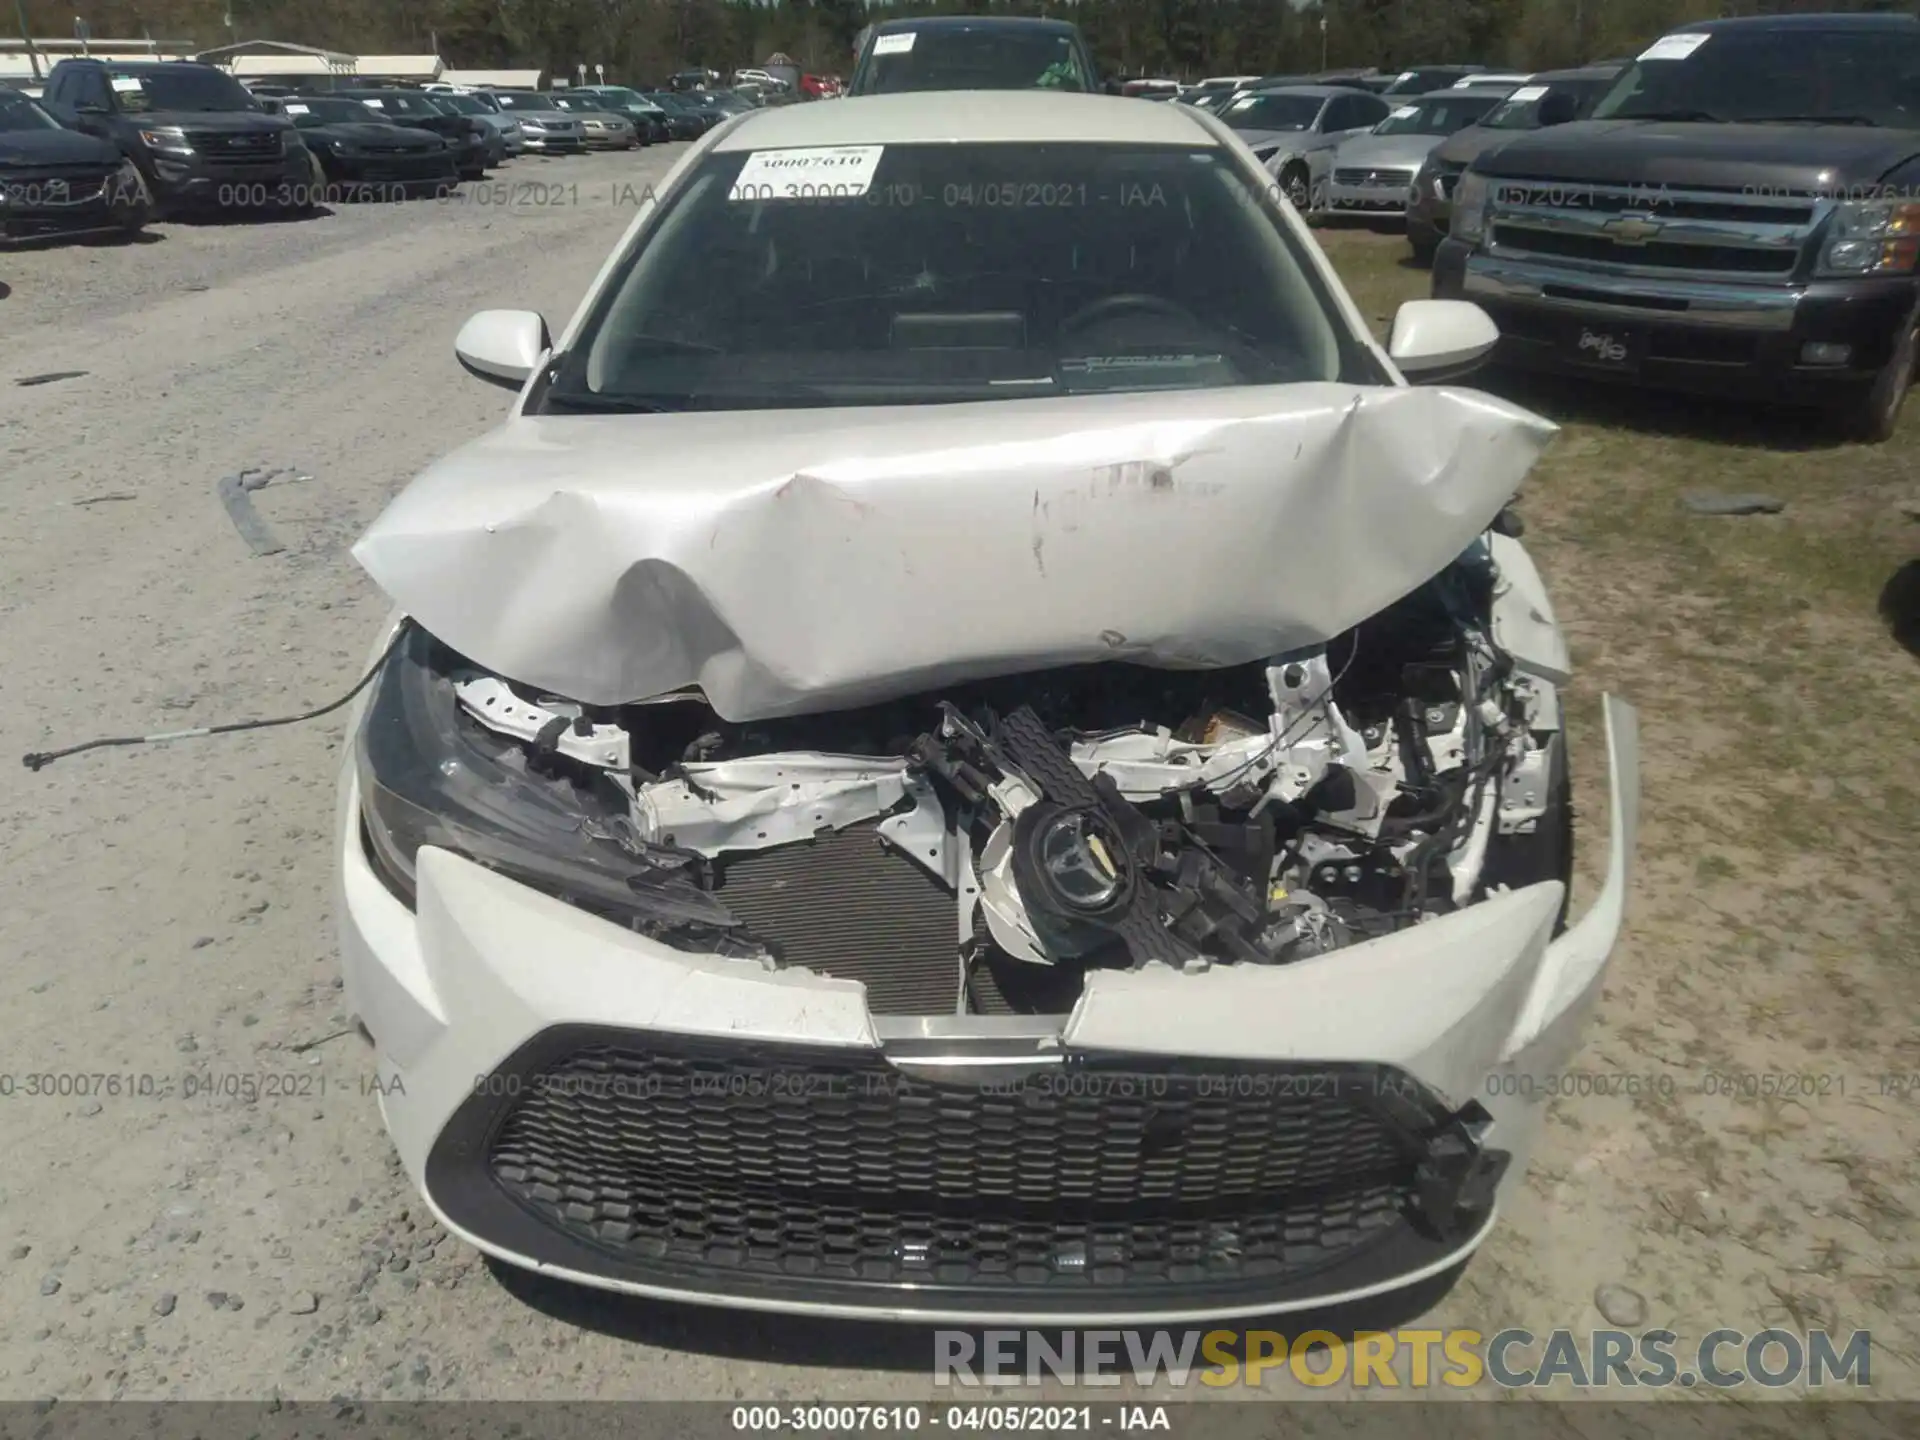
[
  {"x": 1441, "y": 340},
  {"x": 1557, "y": 107},
  {"x": 502, "y": 347}
]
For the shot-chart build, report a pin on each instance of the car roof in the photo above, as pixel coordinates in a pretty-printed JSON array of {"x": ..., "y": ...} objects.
[
  {"x": 1584, "y": 72},
  {"x": 1318, "y": 92},
  {"x": 139, "y": 64},
  {"x": 971, "y": 22},
  {"x": 1801, "y": 22},
  {"x": 969, "y": 116}
]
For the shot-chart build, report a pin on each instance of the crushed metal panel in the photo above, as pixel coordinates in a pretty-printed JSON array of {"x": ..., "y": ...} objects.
[{"x": 795, "y": 561}]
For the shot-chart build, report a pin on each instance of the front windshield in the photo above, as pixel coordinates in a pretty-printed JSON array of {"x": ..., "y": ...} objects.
[
  {"x": 1788, "y": 74},
  {"x": 523, "y": 100},
  {"x": 1273, "y": 112},
  {"x": 398, "y": 102},
  {"x": 929, "y": 278},
  {"x": 1521, "y": 110},
  {"x": 310, "y": 110},
  {"x": 461, "y": 105},
  {"x": 17, "y": 112},
  {"x": 186, "y": 88},
  {"x": 1437, "y": 114},
  {"x": 966, "y": 57}
]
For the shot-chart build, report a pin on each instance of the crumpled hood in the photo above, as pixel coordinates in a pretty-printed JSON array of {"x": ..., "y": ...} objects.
[{"x": 789, "y": 561}]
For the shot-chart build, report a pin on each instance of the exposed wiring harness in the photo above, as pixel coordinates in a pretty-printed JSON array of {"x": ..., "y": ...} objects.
[{"x": 40, "y": 759}]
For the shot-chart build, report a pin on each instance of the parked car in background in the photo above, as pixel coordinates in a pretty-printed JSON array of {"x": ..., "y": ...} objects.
[
  {"x": 548, "y": 129},
  {"x": 1293, "y": 131},
  {"x": 1739, "y": 214},
  {"x": 367, "y": 157},
  {"x": 57, "y": 182},
  {"x": 693, "y": 79},
  {"x": 1550, "y": 98},
  {"x": 1484, "y": 78},
  {"x": 513, "y": 140},
  {"x": 974, "y": 52},
  {"x": 1372, "y": 174},
  {"x": 1215, "y": 90},
  {"x": 648, "y": 119},
  {"x": 199, "y": 140},
  {"x": 1426, "y": 78},
  {"x": 468, "y": 139},
  {"x": 1150, "y": 89},
  {"x": 602, "y": 128},
  {"x": 686, "y": 120}
]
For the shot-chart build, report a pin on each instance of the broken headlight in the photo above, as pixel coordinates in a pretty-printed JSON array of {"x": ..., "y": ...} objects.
[{"x": 430, "y": 776}]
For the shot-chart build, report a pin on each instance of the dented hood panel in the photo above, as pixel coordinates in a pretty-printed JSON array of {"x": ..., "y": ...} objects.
[{"x": 804, "y": 560}]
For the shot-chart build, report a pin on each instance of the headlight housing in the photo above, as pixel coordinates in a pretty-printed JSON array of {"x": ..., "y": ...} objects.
[
  {"x": 1872, "y": 237},
  {"x": 1471, "y": 196},
  {"x": 167, "y": 140},
  {"x": 431, "y": 775}
]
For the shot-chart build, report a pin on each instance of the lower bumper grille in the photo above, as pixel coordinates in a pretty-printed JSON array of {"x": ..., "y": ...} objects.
[{"x": 824, "y": 1175}]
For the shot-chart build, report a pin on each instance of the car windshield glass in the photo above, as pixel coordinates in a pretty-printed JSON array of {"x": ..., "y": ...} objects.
[
  {"x": 398, "y": 102},
  {"x": 933, "y": 279},
  {"x": 325, "y": 110},
  {"x": 967, "y": 57},
  {"x": 523, "y": 100},
  {"x": 669, "y": 103},
  {"x": 17, "y": 112},
  {"x": 1437, "y": 115},
  {"x": 1790, "y": 74},
  {"x": 187, "y": 88},
  {"x": 461, "y": 105},
  {"x": 1273, "y": 112},
  {"x": 1522, "y": 110}
]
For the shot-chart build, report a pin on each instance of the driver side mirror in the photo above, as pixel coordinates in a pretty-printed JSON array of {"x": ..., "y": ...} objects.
[
  {"x": 502, "y": 347},
  {"x": 1557, "y": 107},
  {"x": 1434, "y": 341}
]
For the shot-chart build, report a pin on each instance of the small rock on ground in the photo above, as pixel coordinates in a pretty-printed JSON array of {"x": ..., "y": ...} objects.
[{"x": 1621, "y": 1306}]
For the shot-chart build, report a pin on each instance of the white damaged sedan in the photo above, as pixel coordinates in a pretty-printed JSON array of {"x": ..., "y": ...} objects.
[{"x": 971, "y": 750}]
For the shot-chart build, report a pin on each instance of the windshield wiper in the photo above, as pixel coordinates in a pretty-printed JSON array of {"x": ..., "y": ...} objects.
[
  {"x": 1810, "y": 120},
  {"x": 615, "y": 404},
  {"x": 1682, "y": 117}
]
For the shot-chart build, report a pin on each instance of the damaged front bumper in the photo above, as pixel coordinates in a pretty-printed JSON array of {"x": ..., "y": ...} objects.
[{"x": 575, "y": 1098}]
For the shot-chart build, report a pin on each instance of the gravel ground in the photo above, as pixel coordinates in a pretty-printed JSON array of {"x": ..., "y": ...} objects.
[{"x": 226, "y": 1221}]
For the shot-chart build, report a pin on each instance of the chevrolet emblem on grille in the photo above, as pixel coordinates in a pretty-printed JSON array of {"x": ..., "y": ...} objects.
[{"x": 1631, "y": 229}]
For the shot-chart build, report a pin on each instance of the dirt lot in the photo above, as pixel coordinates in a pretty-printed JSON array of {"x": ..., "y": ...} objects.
[{"x": 168, "y": 917}]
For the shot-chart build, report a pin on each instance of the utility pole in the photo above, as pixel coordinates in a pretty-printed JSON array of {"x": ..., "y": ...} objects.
[
  {"x": 26, "y": 38},
  {"x": 1323, "y": 38}
]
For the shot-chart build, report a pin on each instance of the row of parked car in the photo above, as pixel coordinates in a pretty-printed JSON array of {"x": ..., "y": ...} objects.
[{"x": 107, "y": 146}]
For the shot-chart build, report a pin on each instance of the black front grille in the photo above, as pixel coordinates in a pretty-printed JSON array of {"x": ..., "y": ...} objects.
[
  {"x": 1736, "y": 259},
  {"x": 1373, "y": 177},
  {"x": 719, "y": 1166},
  {"x": 848, "y": 905},
  {"x": 249, "y": 145}
]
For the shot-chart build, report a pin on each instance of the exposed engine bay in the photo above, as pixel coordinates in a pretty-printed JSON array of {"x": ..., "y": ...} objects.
[{"x": 1035, "y": 826}]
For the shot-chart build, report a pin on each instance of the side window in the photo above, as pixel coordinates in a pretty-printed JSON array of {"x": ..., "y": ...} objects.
[
  {"x": 94, "y": 90},
  {"x": 1369, "y": 110},
  {"x": 1343, "y": 113}
]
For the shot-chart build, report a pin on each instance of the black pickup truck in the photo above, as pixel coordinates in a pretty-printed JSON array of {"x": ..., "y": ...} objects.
[{"x": 1740, "y": 214}]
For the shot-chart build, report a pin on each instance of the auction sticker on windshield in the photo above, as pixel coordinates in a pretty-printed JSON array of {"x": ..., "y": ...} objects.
[
  {"x": 821, "y": 172},
  {"x": 299, "y": 110},
  {"x": 1404, "y": 111},
  {"x": 894, "y": 44},
  {"x": 1674, "y": 47},
  {"x": 124, "y": 84},
  {"x": 1526, "y": 93}
]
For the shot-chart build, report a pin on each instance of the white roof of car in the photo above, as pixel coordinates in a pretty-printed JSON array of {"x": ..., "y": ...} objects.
[{"x": 971, "y": 116}]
